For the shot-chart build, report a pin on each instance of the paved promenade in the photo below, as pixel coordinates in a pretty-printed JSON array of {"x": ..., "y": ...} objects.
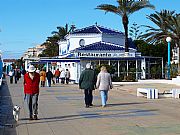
[{"x": 62, "y": 112}]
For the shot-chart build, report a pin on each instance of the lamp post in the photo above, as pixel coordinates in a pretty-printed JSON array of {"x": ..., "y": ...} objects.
[{"x": 168, "y": 40}]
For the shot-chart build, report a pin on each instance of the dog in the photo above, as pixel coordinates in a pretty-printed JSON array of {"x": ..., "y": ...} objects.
[{"x": 16, "y": 112}]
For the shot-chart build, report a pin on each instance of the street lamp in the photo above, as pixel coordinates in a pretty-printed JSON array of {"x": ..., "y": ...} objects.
[{"x": 168, "y": 40}]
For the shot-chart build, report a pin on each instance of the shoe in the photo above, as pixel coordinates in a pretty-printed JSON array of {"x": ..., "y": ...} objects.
[
  {"x": 35, "y": 117},
  {"x": 103, "y": 106},
  {"x": 87, "y": 106},
  {"x": 91, "y": 105},
  {"x": 31, "y": 118}
]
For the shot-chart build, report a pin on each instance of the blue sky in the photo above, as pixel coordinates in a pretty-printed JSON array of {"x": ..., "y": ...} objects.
[{"x": 26, "y": 23}]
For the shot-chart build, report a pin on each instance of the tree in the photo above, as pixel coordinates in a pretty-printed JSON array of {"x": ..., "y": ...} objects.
[
  {"x": 168, "y": 24},
  {"x": 135, "y": 32},
  {"x": 63, "y": 31},
  {"x": 52, "y": 46},
  {"x": 159, "y": 50},
  {"x": 124, "y": 9}
]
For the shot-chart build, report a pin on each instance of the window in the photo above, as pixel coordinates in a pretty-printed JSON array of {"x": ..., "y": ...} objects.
[
  {"x": 73, "y": 65},
  {"x": 81, "y": 42}
]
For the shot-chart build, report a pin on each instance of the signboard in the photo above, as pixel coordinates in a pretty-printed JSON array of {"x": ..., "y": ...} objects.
[{"x": 104, "y": 55}]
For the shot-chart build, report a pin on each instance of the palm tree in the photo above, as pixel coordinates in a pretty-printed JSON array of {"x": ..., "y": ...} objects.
[
  {"x": 52, "y": 46},
  {"x": 63, "y": 31},
  {"x": 167, "y": 25},
  {"x": 124, "y": 9}
]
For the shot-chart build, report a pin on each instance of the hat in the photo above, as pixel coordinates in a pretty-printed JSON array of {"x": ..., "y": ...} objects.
[
  {"x": 31, "y": 68},
  {"x": 88, "y": 65}
]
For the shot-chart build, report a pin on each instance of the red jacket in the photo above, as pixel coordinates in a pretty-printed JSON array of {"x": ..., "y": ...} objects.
[{"x": 31, "y": 86}]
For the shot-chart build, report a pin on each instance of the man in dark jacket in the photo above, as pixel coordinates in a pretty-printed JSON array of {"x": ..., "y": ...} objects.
[
  {"x": 49, "y": 76},
  {"x": 87, "y": 82}
]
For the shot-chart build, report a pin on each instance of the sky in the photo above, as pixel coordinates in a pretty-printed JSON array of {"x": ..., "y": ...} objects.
[{"x": 27, "y": 23}]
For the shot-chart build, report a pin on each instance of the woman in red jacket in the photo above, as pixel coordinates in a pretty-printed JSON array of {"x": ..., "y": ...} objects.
[{"x": 31, "y": 91}]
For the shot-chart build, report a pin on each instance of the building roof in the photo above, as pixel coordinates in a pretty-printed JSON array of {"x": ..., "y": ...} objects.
[
  {"x": 96, "y": 29},
  {"x": 104, "y": 46}
]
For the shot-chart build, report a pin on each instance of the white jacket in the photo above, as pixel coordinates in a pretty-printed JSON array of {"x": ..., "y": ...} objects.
[
  {"x": 104, "y": 81},
  {"x": 63, "y": 74}
]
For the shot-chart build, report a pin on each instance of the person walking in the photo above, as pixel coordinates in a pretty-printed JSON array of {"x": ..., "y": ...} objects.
[
  {"x": 67, "y": 76},
  {"x": 87, "y": 81},
  {"x": 11, "y": 74},
  {"x": 49, "y": 76},
  {"x": 57, "y": 75},
  {"x": 62, "y": 76},
  {"x": 16, "y": 75},
  {"x": 104, "y": 83},
  {"x": 42, "y": 77},
  {"x": 31, "y": 91}
]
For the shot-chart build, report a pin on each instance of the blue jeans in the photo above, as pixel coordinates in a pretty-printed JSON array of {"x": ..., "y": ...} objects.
[
  {"x": 57, "y": 79},
  {"x": 32, "y": 102},
  {"x": 104, "y": 96}
]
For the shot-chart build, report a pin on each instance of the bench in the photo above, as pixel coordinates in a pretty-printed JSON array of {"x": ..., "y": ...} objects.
[
  {"x": 175, "y": 93},
  {"x": 151, "y": 93}
]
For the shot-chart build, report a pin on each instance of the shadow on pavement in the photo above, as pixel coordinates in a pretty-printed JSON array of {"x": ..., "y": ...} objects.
[
  {"x": 129, "y": 103},
  {"x": 7, "y": 123},
  {"x": 96, "y": 115}
]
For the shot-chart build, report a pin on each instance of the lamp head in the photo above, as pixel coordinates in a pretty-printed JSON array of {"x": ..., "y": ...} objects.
[{"x": 168, "y": 39}]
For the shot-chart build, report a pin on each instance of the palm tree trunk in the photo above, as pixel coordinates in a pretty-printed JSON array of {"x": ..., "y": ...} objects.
[{"x": 125, "y": 24}]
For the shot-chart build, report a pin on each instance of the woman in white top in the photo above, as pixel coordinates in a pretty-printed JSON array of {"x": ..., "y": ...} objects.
[
  {"x": 104, "y": 83},
  {"x": 11, "y": 73},
  {"x": 62, "y": 76}
]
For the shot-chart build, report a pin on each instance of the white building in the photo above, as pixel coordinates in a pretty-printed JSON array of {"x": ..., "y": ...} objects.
[
  {"x": 99, "y": 45},
  {"x": 34, "y": 51}
]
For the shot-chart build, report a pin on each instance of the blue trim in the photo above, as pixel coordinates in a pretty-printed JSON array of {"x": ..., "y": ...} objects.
[
  {"x": 124, "y": 58},
  {"x": 59, "y": 60}
]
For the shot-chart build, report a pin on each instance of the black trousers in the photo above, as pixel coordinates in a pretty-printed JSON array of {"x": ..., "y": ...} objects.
[
  {"x": 42, "y": 83},
  {"x": 88, "y": 96},
  {"x": 67, "y": 80}
]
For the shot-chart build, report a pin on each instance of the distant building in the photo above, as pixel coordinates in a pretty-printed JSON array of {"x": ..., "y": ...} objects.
[{"x": 34, "y": 51}]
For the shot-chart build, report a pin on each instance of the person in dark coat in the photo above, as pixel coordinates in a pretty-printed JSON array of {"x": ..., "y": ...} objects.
[
  {"x": 16, "y": 75},
  {"x": 49, "y": 76},
  {"x": 87, "y": 81}
]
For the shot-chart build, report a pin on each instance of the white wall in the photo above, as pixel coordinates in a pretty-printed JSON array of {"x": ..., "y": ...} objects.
[
  {"x": 89, "y": 39},
  {"x": 72, "y": 67}
]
